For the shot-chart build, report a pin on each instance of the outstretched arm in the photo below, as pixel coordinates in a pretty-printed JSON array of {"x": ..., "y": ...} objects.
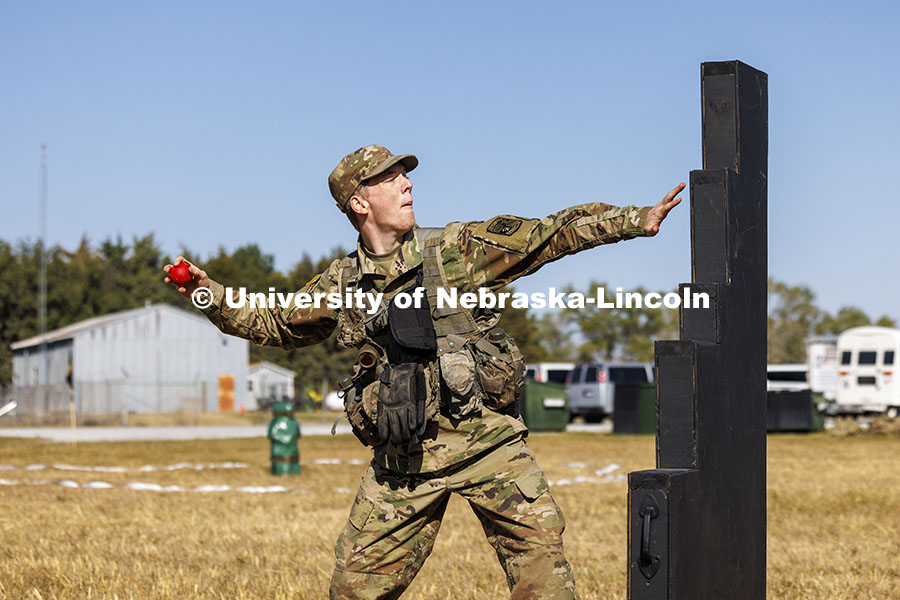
[
  {"x": 498, "y": 251},
  {"x": 288, "y": 327}
]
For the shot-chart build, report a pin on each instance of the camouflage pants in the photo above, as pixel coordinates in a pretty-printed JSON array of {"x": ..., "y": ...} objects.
[{"x": 392, "y": 528}]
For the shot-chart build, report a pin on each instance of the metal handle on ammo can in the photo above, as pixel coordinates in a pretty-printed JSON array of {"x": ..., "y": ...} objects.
[
  {"x": 648, "y": 563},
  {"x": 649, "y": 528}
]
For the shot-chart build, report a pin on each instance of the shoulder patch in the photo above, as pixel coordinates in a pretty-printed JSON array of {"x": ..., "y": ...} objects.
[
  {"x": 504, "y": 225},
  {"x": 506, "y": 232}
]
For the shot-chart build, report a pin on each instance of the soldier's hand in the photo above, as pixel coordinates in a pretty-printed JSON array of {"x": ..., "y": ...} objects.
[
  {"x": 199, "y": 278},
  {"x": 659, "y": 212}
]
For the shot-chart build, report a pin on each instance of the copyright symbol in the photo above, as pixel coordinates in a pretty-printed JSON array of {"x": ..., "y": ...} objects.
[{"x": 202, "y": 297}]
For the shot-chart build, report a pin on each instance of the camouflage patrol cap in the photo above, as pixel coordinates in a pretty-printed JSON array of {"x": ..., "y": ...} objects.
[{"x": 360, "y": 166}]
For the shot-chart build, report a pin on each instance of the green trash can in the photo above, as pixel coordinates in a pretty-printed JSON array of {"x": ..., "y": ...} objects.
[
  {"x": 647, "y": 409},
  {"x": 818, "y": 418},
  {"x": 283, "y": 433},
  {"x": 544, "y": 406}
]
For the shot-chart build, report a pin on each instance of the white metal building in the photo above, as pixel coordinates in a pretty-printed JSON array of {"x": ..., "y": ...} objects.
[
  {"x": 268, "y": 382},
  {"x": 152, "y": 359}
]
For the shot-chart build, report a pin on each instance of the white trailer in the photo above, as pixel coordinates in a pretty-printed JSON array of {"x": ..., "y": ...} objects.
[
  {"x": 867, "y": 374},
  {"x": 822, "y": 364}
]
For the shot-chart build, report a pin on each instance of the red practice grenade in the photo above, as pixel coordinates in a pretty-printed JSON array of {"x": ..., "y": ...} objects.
[{"x": 181, "y": 274}]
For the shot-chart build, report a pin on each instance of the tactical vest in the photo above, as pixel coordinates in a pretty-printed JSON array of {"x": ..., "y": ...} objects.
[{"x": 474, "y": 363}]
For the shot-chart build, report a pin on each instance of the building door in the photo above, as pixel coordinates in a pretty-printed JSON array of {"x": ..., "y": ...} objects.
[{"x": 226, "y": 393}]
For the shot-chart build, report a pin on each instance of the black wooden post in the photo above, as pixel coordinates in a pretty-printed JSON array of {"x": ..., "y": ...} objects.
[{"x": 697, "y": 523}]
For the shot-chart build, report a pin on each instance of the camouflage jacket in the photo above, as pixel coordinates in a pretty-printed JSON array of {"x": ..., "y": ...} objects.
[{"x": 478, "y": 254}]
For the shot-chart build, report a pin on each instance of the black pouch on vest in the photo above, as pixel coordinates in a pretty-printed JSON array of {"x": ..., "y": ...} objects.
[
  {"x": 411, "y": 327},
  {"x": 401, "y": 404}
]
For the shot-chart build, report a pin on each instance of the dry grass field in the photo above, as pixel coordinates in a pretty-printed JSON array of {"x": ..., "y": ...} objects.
[{"x": 833, "y": 523}]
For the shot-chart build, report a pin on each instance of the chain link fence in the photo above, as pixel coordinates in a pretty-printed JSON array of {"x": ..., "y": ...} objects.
[{"x": 104, "y": 402}]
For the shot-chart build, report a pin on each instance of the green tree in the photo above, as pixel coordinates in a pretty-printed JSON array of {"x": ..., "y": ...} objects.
[
  {"x": 886, "y": 321},
  {"x": 90, "y": 282},
  {"x": 73, "y": 285},
  {"x": 625, "y": 333},
  {"x": 312, "y": 364},
  {"x": 555, "y": 335},
  {"x": 845, "y": 318},
  {"x": 522, "y": 327},
  {"x": 10, "y": 294},
  {"x": 792, "y": 315},
  {"x": 142, "y": 281},
  {"x": 246, "y": 267},
  {"x": 641, "y": 327},
  {"x": 113, "y": 284}
]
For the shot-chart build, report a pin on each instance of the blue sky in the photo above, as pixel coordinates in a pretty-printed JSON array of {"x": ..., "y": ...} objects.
[{"x": 217, "y": 123}]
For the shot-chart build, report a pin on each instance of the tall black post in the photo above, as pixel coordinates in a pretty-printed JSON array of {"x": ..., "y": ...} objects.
[{"x": 697, "y": 523}]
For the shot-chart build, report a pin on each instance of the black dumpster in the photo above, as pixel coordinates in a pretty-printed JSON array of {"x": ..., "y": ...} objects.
[
  {"x": 634, "y": 408},
  {"x": 792, "y": 411}
]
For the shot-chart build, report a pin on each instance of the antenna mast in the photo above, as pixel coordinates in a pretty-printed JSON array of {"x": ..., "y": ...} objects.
[{"x": 42, "y": 311}]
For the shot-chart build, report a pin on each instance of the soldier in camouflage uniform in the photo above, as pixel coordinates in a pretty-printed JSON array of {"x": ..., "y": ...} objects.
[{"x": 473, "y": 446}]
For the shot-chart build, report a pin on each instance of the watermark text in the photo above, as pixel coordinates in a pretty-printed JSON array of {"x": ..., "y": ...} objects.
[{"x": 372, "y": 302}]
